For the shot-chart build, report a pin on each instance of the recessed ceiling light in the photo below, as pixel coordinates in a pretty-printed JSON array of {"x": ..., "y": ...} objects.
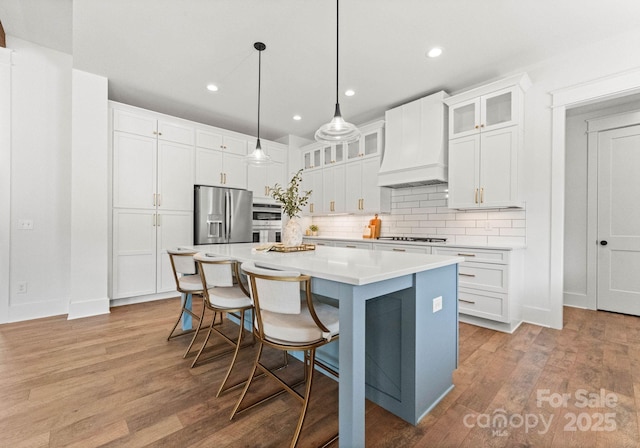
[
  {"x": 297, "y": 117},
  {"x": 434, "y": 52},
  {"x": 350, "y": 92},
  {"x": 212, "y": 87}
]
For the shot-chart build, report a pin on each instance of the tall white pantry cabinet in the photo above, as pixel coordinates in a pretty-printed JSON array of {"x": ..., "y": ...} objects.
[{"x": 153, "y": 178}]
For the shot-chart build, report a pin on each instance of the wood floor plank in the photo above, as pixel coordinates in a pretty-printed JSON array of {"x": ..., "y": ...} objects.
[{"x": 115, "y": 381}]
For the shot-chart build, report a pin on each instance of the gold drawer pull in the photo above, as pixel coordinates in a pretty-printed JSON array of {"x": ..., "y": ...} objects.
[
  {"x": 467, "y": 301},
  {"x": 466, "y": 255},
  {"x": 351, "y": 247},
  {"x": 399, "y": 250},
  {"x": 466, "y": 275}
]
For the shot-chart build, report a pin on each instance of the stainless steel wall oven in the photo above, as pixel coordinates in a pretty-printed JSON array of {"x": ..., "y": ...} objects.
[{"x": 267, "y": 223}]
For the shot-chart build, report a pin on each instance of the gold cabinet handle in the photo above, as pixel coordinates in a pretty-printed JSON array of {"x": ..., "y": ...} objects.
[
  {"x": 154, "y": 220},
  {"x": 154, "y": 199},
  {"x": 225, "y": 178},
  {"x": 159, "y": 199},
  {"x": 395, "y": 249},
  {"x": 159, "y": 220},
  {"x": 466, "y": 275},
  {"x": 475, "y": 196},
  {"x": 466, "y": 255},
  {"x": 467, "y": 301},
  {"x": 482, "y": 125},
  {"x": 477, "y": 127},
  {"x": 311, "y": 208},
  {"x": 482, "y": 195},
  {"x": 221, "y": 181},
  {"x": 350, "y": 247}
]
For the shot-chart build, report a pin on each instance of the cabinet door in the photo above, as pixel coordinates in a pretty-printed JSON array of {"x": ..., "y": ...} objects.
[
  {"x": 333, "y": 180},
  {"x": 176, "y": 132},
  {"x": 312, "y": 158},
  {"x": 371, "y": 143},
  {"x": 464, "y": 118},
  {"x": 464, "y": 162},
  {"x": 208, "y": 139},
  {"x": 209, "y": 169},
  {"x": 353, "y": 150},
  {"x": 498, "y": 168},
  {"x": 498, "y": 109},
  {"x": 372, "y": 195},
  {"x": 257, "y": 180},
  {"x": 134, "y": 252},
  {"x": 134, "y": 123},
  {"x": 175, "y": 176},
  {"x": 235, "y": 170},
  {"x": 174, "y": 229},
  {"x": 353, "y": 187},
  {"x": 134, "y": 171},
  {"x": 312, "y": 180},
  {"x": 233, "y": 145}
]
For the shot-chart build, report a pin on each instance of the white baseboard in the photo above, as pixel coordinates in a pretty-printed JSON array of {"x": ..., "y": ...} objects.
[
  {"x": 536, "y": 316},
  {"x": 576, "y": 300},
  {"x": 143, "y": 299},
  {"x": 88, "y": 308},
  {"x": 490, "y": 324}
]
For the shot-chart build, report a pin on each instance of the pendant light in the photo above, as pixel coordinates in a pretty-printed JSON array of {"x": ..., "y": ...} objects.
[
  {"x": 337, "y": 130},
  {"x": 258, "y": 157}
]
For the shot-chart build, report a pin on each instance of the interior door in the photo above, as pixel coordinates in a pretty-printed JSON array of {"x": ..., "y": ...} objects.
[{"x": 619, "y": 220}]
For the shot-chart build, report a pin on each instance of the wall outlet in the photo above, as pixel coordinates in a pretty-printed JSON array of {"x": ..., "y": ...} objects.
[
  {"x": 437, "y": 304},
  {"x": 22, "y": 287},
  {"x": 25, "y": 224}
]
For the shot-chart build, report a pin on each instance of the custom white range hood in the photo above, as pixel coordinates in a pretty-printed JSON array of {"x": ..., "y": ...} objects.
[{"x": 416, "y": 144}]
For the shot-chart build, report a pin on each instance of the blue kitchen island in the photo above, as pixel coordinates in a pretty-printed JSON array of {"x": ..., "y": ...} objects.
[{"x": 398, "y": 342}]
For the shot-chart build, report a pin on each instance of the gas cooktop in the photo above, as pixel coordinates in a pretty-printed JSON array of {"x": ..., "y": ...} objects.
[{"x": 414, "y": 238}]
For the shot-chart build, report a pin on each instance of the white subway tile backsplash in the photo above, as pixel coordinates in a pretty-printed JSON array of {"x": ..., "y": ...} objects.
[{"x": 423, "y": 211}]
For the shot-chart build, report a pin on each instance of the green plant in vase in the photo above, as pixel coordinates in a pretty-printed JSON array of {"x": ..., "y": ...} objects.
[
  {"x": 314, "y": 229},
  {"x": 292, "y": 200}
]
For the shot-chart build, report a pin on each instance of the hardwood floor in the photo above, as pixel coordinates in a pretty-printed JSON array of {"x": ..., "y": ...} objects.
[{"x": 114, "y": 380}]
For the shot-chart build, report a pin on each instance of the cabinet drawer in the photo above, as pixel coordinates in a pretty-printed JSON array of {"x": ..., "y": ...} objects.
[
  {"x": 477, "y": 255},
  {"x": 485, "y": 276},
  {"x": 403, "y": 248},
  {"x": 489, "y": 306},
  {"x": 352, "y": 245}
]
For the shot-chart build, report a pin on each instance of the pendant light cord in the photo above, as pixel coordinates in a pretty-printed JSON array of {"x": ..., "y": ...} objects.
[
  {"x": 259, "y": 83},
  {"x": 337, "y": 46}
]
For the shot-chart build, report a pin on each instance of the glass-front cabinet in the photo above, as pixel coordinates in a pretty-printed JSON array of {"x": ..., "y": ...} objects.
[
  {"x": 332, "y": 154},
  {"x": 485, "y": 113},
  {"x": 312, "y": 157},
  {"x": 369, "y": 145}
]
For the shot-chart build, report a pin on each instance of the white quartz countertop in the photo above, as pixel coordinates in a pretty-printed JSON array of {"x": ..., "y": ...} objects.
[
  {"x": 351, "y": 266},
  {"x": 416, "y": 243}
]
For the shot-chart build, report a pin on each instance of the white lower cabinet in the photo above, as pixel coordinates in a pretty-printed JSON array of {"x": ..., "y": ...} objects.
[
  {"x": 488, "y": 286},
  {"x": 140, "y": 240}
]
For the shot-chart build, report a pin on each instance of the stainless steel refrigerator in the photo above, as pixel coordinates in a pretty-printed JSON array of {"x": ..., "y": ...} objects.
[{"x": 222, "y": 215}]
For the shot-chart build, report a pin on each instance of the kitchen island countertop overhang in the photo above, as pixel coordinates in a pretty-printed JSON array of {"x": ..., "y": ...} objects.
[{"x": 398, "y": 312}]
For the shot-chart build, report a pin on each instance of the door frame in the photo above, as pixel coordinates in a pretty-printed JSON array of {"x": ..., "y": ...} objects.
[
  {"x": 594, "y": 127},
  {"x": 609, "y": 87}
]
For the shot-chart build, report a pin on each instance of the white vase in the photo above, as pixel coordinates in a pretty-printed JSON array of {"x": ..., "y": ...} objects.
[{"x": 292, "y": 233}]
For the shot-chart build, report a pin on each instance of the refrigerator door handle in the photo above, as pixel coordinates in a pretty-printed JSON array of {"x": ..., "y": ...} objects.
[{"x": 229, "y": 215}]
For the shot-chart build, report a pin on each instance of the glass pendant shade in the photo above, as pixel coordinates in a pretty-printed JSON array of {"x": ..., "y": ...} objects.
[
  {"x": 337, "y": 130},
  {"x": 258, "y": 157}
]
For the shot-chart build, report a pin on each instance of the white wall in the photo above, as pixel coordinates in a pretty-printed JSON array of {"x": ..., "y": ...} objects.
[
  {"x": 5, "y": 181},
  {"x": 40, "y": 180}
]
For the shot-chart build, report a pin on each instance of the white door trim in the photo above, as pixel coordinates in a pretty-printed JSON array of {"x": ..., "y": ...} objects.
[
  {"x": 594, "y": 126},
  {"x": 616, "y": 85}
]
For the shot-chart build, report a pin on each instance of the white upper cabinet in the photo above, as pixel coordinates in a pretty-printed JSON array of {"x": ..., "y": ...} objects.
[
  {"x": 485, "y": 140},
  {"x": 149, "y": 171},
  {"x": 313, "y": 181},
  {"x": 261, "y": 179},
  {"x": 370, "y": 143},
  {"x": 219, "y": 159},
  {"x": 332, "y": 154},
  {"x": 361, "y": 188}
]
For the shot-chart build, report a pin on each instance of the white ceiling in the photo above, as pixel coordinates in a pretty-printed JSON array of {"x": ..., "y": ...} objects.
[{"x": 160, "y": 54}]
